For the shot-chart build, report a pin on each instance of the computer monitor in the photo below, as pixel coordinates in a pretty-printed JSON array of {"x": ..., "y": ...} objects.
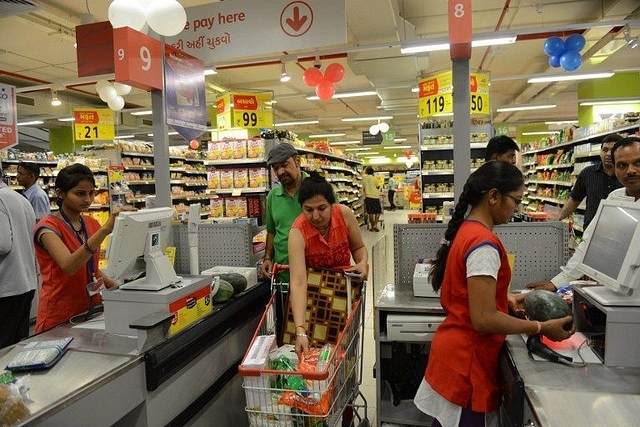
[
  {"x": 136, "y": 248},
  {"x": 612, "y": 255}
]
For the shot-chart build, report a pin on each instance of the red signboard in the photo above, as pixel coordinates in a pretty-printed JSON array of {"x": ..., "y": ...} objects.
[
  {"x": 8, "y": 116},
  {"x": 94, "y": 49},
  {"x": 137, "y": 58},
  {"x": 428, "y": 87},
  {"x": 460, "y": 29},
  {"x": 245, "y": 102}
]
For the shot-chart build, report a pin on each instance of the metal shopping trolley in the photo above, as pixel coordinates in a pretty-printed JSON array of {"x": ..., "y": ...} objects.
[{"x": 302, "y": 397}]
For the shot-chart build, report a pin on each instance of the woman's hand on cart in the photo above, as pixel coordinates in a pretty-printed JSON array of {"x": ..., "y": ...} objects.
[{"x": 358, "y": 273}]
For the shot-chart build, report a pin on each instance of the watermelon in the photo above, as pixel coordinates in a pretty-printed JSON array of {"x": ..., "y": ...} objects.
[
  {"x": 237, "y": 280},
  {"x": 543, "y": 305},
  {"x": 225, "y": 291}
]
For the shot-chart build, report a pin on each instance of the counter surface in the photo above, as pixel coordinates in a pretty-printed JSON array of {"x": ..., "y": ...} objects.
[{"x": 559, "y": 395}]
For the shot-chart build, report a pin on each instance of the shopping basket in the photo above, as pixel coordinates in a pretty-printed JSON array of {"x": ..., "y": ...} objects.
[{"x": 324, "y": 395}]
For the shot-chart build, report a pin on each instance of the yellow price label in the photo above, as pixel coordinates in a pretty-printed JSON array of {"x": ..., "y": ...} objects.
[
  {"x": 436, "y": 94},
  {"x": 92, "y": 124}
]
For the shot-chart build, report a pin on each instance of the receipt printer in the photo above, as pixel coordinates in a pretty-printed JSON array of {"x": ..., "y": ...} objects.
[{"x": 421, "y": 284}]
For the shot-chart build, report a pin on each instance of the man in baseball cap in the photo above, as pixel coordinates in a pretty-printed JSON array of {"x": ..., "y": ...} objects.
[{"x": 280, "y": 153}]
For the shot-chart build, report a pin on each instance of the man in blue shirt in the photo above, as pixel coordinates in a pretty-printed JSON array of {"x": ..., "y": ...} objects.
[{"x": 28, "y": 174}]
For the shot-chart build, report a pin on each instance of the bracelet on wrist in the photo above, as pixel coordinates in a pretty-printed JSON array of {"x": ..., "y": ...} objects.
[
  {"x": 301, "y": 335},
  {"x": 88, "y": 249},
  {"x": 539, "y": 327}
]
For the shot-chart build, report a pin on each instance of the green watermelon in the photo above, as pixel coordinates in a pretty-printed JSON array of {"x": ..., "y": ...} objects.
[
  {"x": 237, "y": 280},
  {"x": 225, "y": 291},
  {"x": 543, "y": 305}
]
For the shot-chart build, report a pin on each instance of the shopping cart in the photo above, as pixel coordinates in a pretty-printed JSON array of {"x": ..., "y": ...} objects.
[{"x": 325, "y": 394}]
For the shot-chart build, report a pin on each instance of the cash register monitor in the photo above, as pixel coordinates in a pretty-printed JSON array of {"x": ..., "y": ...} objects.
[
  {"x": 135, "y": 256},
  {"x": 612, "y": 256}
]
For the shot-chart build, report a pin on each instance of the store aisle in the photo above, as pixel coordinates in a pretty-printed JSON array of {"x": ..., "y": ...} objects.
[{"x": 369, "y": 355}]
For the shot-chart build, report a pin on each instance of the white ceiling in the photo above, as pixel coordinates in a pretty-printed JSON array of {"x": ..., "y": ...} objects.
[{"x": 36, "y": 53}]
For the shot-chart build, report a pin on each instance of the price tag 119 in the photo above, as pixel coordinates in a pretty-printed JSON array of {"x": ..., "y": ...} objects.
[{"x": 137, "y": 59}]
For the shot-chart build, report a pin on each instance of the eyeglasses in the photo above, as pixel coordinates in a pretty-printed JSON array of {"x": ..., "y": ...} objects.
[{"x": 516, "y": 200}]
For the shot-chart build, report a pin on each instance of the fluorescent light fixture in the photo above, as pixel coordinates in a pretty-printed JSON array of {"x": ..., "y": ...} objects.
[
  {"x": 362, "y": 119},
  {"x": 367, "y": 154},
  {"x": 346, "y": 95},
  {"x": 379, "y": 160},
  {"x": 32, "y": 122},
  {"x": 172, "y": 133},
  {"x": 399, "y": 139},
  {"x": 562, "y": 122},
  {"x": 611, "y": 102},
  {"x": 345, "y": 142},
  {"x": 569, "y": 77},
  {"x": 358, "y": 149},
  {"x": 299, "y": 122},
  {"x": 142, "y": 113},
  {"x": 545, "y": 132},
  {"x": 124, "y": 137},
  {"x": 149, "y": 134},
  {"x": 326, "y": 135},
  {"x": 415, "y": 89},
  {"x": 210, "y": 71},
  {"x": 443, "y": 115},
  {"x": 526, "y": 108},
  {"x": 479, "y": 42},
  {"x": 67, "y": 119},
  {"x": 396, "y": 147}
]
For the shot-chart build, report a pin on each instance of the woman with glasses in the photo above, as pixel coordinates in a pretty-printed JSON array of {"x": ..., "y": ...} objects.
[
  {"x": 68, "y": 250},
  {"x": 472, "y": 273}
]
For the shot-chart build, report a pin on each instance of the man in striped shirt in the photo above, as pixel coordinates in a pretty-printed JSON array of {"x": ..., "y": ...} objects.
[{"x": 594, "y": 182}]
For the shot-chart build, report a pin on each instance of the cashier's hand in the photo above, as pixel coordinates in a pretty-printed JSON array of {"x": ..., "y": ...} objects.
[
  {"x": 544, "y": 285},
  {"x": 516, "y": 304},
  {"x": 558, "y": 329}
]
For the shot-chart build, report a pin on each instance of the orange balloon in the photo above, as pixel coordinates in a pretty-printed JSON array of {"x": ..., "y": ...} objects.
[
  {"x": 334, "y": 73},
  {"x": 325, "y": 90},
  {"x": 312, "y": 77},
  {"x": 194, "y": 144}
]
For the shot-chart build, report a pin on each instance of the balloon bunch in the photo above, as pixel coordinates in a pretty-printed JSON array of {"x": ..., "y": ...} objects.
[
  {"x": 324, "y": 83},
  {"x": 165, "y": 17},
  {"x": 112, "y": 94},
  {"x": 565, "y": 53}
]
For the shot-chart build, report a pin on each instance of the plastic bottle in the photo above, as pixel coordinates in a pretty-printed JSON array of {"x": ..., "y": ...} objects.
[{"x": 323, "y": 358}]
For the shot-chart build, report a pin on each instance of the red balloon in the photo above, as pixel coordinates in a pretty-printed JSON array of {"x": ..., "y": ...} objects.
[
  {"x": 312, "y": 77},
  {"x": 325, "y": 90},
  {"x": 334, "y": 73},
  {"x": 194, "y": 144}
]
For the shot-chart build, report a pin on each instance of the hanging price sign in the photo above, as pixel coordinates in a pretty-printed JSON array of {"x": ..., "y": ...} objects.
[
  {"x": 92, "y": 124},
  {"x": 252, "y": 110},
  {"x": 435, "y": 94}
]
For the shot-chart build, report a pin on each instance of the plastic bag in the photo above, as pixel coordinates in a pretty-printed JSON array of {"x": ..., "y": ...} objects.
[
  {"x": 12, "y": 407},
  {"x": 310, "y": 404}
]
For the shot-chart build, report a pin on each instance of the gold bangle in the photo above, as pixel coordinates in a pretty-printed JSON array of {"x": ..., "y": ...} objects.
[{"x": 301, "y": 335}]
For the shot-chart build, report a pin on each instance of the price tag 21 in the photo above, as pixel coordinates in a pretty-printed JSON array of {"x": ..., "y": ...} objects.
[{"x": 137, "y": 59}]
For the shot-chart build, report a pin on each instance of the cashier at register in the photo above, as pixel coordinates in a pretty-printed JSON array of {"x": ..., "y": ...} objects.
[{"x": 625, "y": 156}]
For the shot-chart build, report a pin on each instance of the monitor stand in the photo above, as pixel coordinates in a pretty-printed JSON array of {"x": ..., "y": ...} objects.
[{"x": 607, "y": 297}]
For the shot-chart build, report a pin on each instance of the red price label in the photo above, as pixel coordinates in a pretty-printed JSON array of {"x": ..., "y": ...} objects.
[
  {"x": 137, "y": 58},
  {"x": 428, "y": 87}
]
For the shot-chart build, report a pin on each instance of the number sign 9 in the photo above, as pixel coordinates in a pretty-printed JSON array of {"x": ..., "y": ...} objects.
[{"x": 138, "y": 59}]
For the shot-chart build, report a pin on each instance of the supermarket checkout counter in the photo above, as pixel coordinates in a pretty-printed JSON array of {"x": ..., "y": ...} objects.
[
  {"x": 189, "y": 378},
  {"x": 555, "y": 395}
]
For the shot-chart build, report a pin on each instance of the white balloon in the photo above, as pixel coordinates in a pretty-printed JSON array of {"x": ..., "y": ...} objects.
[
  {"x": 108, "y": 93},
  {"x": 100, "y": 84},
  {"x": 384, "y": 127},
  {"x": 121, "y": 88},
  {"x": 123, "y": 13},
  {"x": 166, "y": 17},
  {"x": 116, "y": 104},
  {"x": 373, "y": 130}
]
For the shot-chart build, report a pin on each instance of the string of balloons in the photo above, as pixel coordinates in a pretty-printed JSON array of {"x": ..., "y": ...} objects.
[
  {"x": 324, "y": 82},
  {"x": 565, "y": 54}
]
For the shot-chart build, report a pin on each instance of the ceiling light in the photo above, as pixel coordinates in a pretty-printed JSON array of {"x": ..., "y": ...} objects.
[
  {"x": 172, "y": 133},
  {"x": 124, "y": 137},
  {"x": 326, "y": 135},
  {"x": 370, "y": 118},
  {"x": 345, "y": 142},
  {"x": 526, "y": 107},
  {"x": 399, "y": 139},
  {"x": 142, "y": 113},
  {"x": 346, "y": 95},
  {"x": 396, "y": 147},
  {"x": 358, "y": 149},
  {"x": 632, "y": 42},
  {"x": 547, "y": 132},
  {"x": 487, "y": 40},
  {"x": 66, "y": 119},
  {"x": 284, "y": 77},
  {"x": 210, "y": 71},
  {"x": 367, "y": 154},
  {"x": 32, "y": 122},
  {"x": 568, "y": 77},
  {"x": 562, "y": 122},
  {"x": 611, "y": 102},
  {"x": 299, "y": 122},
  {"x": 54, "y": 99}
]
